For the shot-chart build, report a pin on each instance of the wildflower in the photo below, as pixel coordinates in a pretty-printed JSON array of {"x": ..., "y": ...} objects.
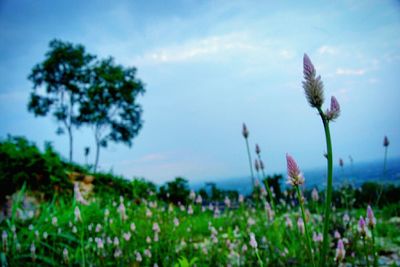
[
  {"x": 106, "y": 213},
  {"x": 334, "y": 112},
  {"x": 313, "y": 86},
  {"x": 155, "y": 237},
  {"x": 148, "y": 213},
  {"x": 241, "y": 198},
  {"x": 192, "y": 195},
  {"x": 227, "y": 202},
  {"x": 258, "y": 151},
  {"x": 77, "y": 214},
  {"x": 4, "y": 237},
  {"x": 199, "y": 199},
  {"x": 98, "y": 228},
  {"x": 261, "y": 164},
  {"x": 148, "y": 239},
  {"x": 190, "y": 210},
  {"x": 33, "y": 251},
  {"x": 288, "y": 222},
  {"x": 253, "y": 242},
  {"x": 54, "y": 221},
  {"x": 317, "y": 237},
  {"x": 176, "y": 221},
  {"x": 133, "y": 227},
  {"x": 116, "y": 241},
  {"x": 362, "y": 226},
  {"x": 314, "y": 195},
  {"x": 100, "y": 244},
  {"x": 340, "y": 251},
  {"x": 127, "y": 236},
  {"x": 371, "y": 221},
  {"x": 122, "y": 211},
  {"x": 385, "y": 141},
  {"x": 244, "y": 248},
  {"x": 117, "y": 253},
  {"x": 294, "y": 175},
  {"x": 138, "y": 256},
  {"x": 45, "y": 235},
  {"x": 346, "y": 218},
  {"x": 156, "y": 228},
  {"x": 245, "y": 132},
  {"x": 65, "y": 255},
  {"x": 78, "y": 195},
  {"x": 300, "y": 225},
  {"x": 256, "y": 165},
  {"x": 147, "y": 253},
  {"x": 251, "y": 222},
  {"x": 337, "y": 235}
]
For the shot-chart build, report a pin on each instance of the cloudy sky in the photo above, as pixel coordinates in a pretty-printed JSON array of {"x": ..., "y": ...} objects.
[{"x": 208, "y": 66}]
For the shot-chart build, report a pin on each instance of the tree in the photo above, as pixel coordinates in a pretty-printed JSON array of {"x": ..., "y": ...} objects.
[
  {"x": 109, "y": 104},
  {"x": 64, "y": 75}
]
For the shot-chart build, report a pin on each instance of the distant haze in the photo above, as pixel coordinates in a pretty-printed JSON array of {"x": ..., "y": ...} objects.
[{"x": 208, "y": 67}]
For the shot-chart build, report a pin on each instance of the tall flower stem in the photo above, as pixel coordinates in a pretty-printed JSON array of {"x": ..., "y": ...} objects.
[
  {"x": 373, "y": 248},
  {"x": 384, "y": 161},
  {"x": 366, "y": 251},
  {"x": 250, "y": 162},
  {"x": 271, "y": 199},
  {"x": 309, "y": 248},
  {"x": 259, "y": 258},
  {"x": 328, "y": 199}
]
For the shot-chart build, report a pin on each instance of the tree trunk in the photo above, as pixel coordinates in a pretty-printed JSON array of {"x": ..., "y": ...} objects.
[
  {"x": 97, "y": 155},
  {"x": 70, "y": 143}
]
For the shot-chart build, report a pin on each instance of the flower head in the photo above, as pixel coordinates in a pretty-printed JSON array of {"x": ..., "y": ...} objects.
[
  {"x": 371, "y": 221},
  {"x": 256, "y": 165},
  {"x": 313, "y": 86},
  {"x": 245, "y": 132},
  {"x": 385, "y": 141},
  {"x": 362, "y": 229},
  {"x": 314, "y": 195},
  {"x": 261, "y": 165},
  {"x": 253, "y": 241},
  {"x": 258, "y": 150},
  {"x": 334, "y": 112},
  {"x": 340, "y": 251},
  {"x": 341, "y": 162},
  {"x": 294, "y": 175}
]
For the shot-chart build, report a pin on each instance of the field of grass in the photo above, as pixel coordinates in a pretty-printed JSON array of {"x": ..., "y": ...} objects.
[{"x": 119, "y": 231}]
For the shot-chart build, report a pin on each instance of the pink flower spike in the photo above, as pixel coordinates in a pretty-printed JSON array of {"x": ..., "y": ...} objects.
[
  {"x": 294, "y": 175},
  {"x": 245, "y": 132},
  {"x": 340, "y": 251},
  {"x": 334, "y": 112},
  {"x": 362, "y": 226},
  {"x": 371, "y": 221},
  {"x": 385, "y": 141},
  {"x": 308, "y": 67}
]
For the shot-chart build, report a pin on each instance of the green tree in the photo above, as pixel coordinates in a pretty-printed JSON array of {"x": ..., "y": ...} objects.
[
  {"x": 58, "y": 83},
  {"x": 109, "y": 105}
]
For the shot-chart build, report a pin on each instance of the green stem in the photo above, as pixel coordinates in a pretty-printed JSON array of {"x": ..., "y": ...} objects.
[
  {"x": 328, "y": 199},
  {"x": 271, "y": 199},
  {"x": 303, "y": 214},
  {"x": 82, "y": 243},
  {"x": 373, "y": 248},
  {"x": 384, "y": 161},
  {"x": 366, "y": 251},
  {"x": 259, "y": 258},
  {"x": 250, "y": 162}
]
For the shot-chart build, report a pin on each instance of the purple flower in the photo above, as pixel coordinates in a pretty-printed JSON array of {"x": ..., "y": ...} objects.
[
  {"x": 334, "y": 112},
  {"x": 340, "y": 251},
  {"x": 256, "y": 165},
  {"x": 313, "y": 86},
  {"x": 258, "y": 150},
  {"x": 362, "y": 226},
  {"x": 245, "y": 132},
  {"x": 371, "y": 221},
  {"x": 294, "y": 175},
  {"x": 385, "y": 141}
]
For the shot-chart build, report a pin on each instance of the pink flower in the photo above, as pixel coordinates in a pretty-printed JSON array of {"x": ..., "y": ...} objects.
[
  {"x": 334, "y": 112},
  {"x": 317, "y": 237},
  {"x": 253, "y": 242},
  {"x": 371, "y": 221},
  {"x": 340, "y": 251},
  {"x": 245, "y": 132},
  {"x": 385, "y": 141},
  {"x": 300, "y": 225},
  {"x": 362, "y": 229},
  {"x": 314, "y": 195},
  {"x": 313, "y": 86},
  {"x": 294, "y": 175}
]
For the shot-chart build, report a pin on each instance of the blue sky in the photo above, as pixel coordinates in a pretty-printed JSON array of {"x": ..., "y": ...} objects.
[{"x": 208, "y": 66}]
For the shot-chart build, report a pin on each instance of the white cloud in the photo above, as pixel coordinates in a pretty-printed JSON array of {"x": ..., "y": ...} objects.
[
  {"x": 287, "y": 54},
  {"x": 350, "y": 72},
  {"x": 326, "y": 49}
]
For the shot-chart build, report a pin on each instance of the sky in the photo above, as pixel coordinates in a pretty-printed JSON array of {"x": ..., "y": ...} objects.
[{"x": 209, "y": 66}]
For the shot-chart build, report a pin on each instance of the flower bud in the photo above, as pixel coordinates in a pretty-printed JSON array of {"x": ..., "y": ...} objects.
[
  {"x": 313, "y": 86},
  {"x": 245, "y": 132},
  {"x": 334, "y": 112},
  {"x": 294, "y": 175},
  {"x": 385, "y": 141}
]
